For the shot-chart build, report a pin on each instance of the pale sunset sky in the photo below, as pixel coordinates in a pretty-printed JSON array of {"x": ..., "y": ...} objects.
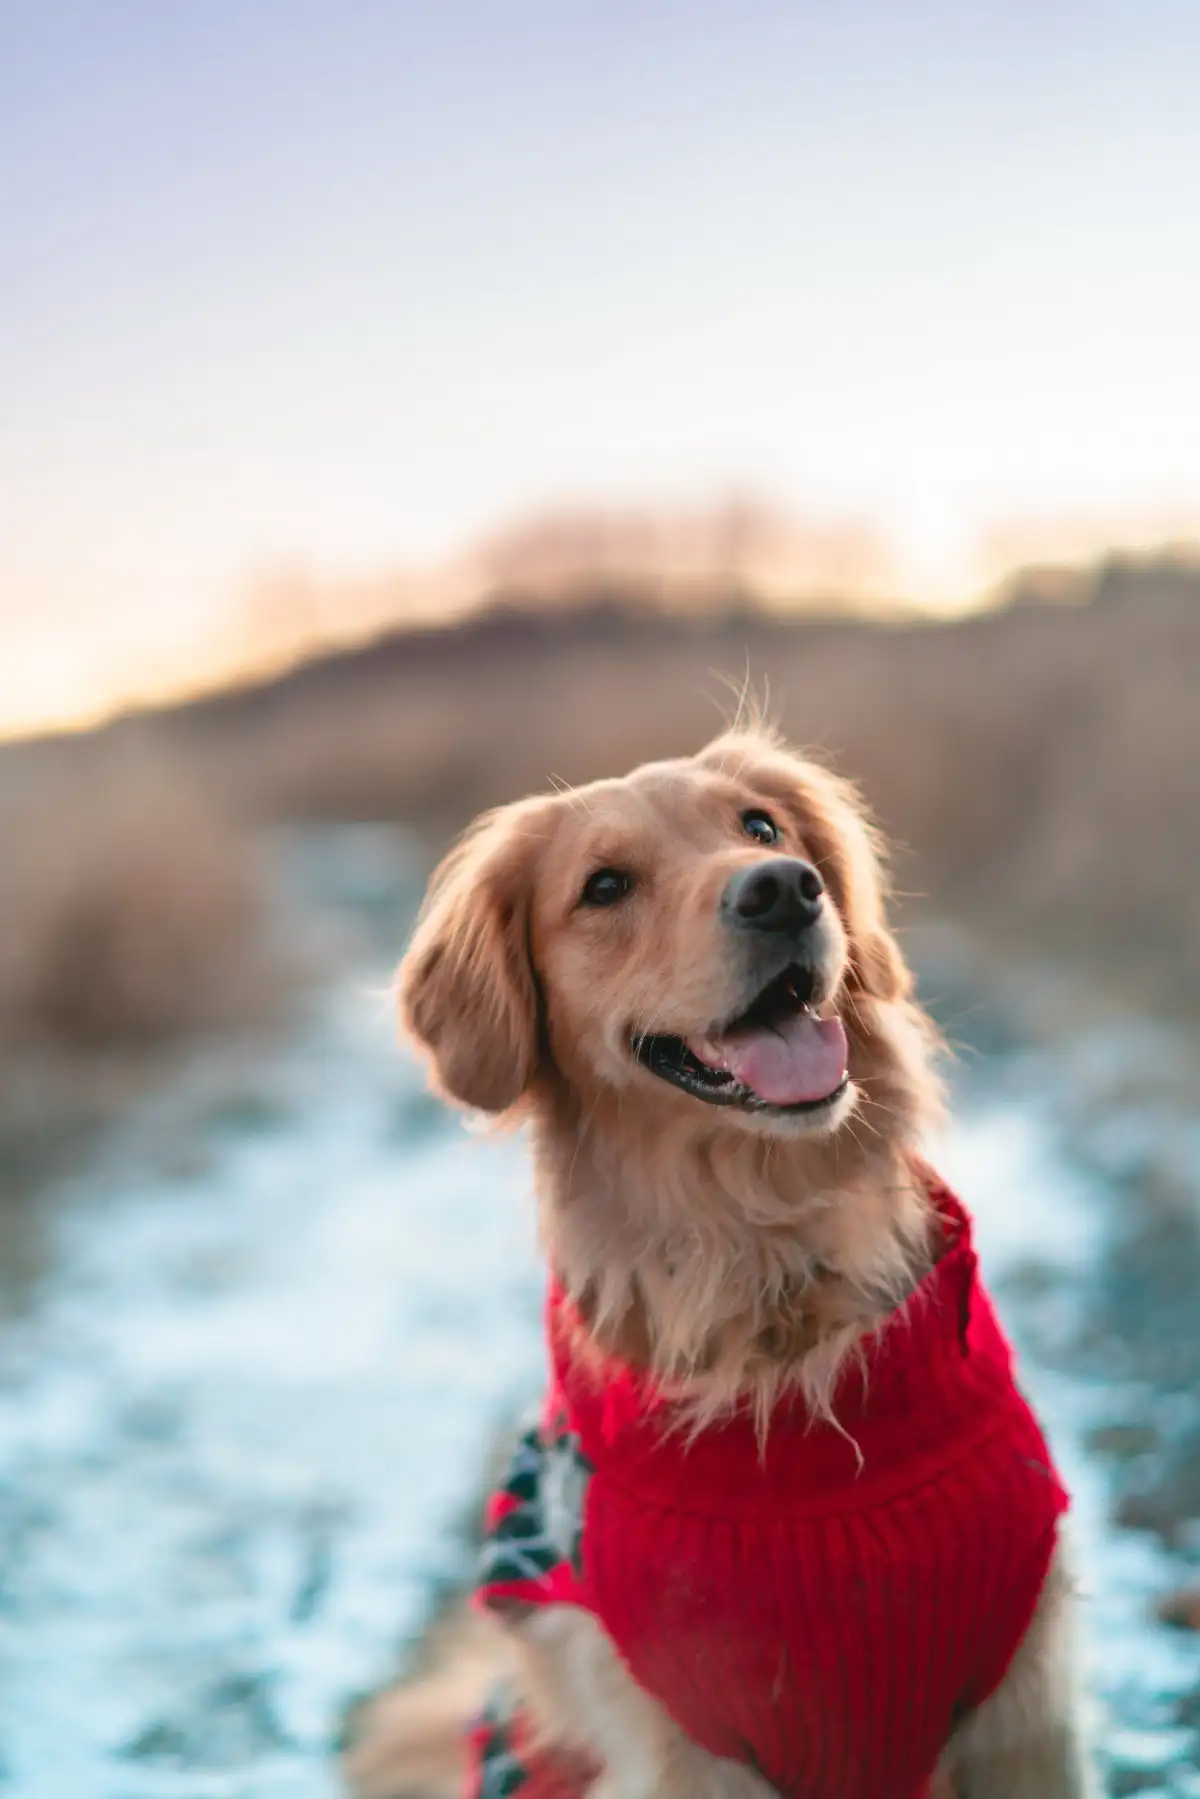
[{"x": 338, "y": 287}]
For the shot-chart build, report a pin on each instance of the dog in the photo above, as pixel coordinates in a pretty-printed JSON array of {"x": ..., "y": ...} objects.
[{"x": 785, "y": 1524}]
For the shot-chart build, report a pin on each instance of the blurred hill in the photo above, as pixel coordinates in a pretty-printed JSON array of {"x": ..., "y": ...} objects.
[{"x": 1038, "y": 762}]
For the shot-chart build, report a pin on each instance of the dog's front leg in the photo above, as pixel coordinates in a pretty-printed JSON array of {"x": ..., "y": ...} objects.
[
  {"x": 1028, "y": 1741},
  {"x": 582, "y": 1696}
]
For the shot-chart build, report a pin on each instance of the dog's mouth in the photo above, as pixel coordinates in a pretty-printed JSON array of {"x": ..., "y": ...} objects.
[{"x": 777, "y": 1056}]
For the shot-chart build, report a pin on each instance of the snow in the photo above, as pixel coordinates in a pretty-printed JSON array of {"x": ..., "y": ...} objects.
[{"x": 244, "y": 1408}]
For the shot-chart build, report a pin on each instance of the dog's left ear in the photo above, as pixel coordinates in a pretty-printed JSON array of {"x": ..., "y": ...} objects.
[
  {"x": 879, "y": 968},
  {"x": 851, "y": 858}
]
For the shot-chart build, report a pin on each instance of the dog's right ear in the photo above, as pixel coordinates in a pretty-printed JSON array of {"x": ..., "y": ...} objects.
[{"x": 468, "y": 992}]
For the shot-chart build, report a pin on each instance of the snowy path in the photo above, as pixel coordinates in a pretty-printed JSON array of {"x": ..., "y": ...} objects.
[{"x": 249, "y": 1399}]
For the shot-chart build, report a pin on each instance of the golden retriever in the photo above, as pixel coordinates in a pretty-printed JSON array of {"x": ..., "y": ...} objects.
[{"x": 684, "y": 982}]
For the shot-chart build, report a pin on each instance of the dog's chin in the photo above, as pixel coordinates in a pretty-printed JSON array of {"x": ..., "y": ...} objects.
[{"x": 822, "y": 1119}]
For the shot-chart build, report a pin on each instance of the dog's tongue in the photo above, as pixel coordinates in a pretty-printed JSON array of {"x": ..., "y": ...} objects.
[{"x": 800, "y": 1060}]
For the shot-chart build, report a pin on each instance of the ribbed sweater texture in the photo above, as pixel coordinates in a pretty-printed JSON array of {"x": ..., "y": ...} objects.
[{"x": 825, "y": 1606}]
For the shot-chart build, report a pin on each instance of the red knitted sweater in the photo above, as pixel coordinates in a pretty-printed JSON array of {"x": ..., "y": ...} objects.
[{"x": 825, "y": 1610}]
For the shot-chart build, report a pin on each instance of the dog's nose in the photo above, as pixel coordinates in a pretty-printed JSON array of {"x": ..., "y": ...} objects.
[{"x": 783, "y": 894}]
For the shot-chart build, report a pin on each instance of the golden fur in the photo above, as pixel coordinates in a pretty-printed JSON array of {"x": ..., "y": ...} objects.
[{"x": 732, "y": 1254}]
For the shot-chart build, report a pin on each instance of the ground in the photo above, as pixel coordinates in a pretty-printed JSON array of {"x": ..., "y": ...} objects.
[{"x": 253, "y": 1360}]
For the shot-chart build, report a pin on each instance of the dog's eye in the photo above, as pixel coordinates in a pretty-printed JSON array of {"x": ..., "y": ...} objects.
[
  {"x": 760, "y": 826},
  {"x": 605, "y": 887}
]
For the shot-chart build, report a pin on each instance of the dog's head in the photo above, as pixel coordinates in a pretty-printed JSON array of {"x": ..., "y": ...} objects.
[{"x": 706, "y": 933}]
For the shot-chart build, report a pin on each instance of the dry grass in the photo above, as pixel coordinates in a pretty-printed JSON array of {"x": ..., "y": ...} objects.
[
  {"x": 129, "y": 907},
  {"x": 1038, "y": 763},
  {"x": 130, "y": 919}
]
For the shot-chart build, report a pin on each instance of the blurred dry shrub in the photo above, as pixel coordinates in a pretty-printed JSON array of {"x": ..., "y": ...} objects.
[
  {"x": 1037, "y": 764},
  {"x": 130, "y": 907}
]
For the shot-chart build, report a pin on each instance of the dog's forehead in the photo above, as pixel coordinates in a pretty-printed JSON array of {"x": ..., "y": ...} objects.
[{"x": 661, "y": 794}]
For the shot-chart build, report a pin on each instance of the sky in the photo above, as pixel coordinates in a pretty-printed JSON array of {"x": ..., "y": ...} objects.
[{"x": 339, "y": 288}]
